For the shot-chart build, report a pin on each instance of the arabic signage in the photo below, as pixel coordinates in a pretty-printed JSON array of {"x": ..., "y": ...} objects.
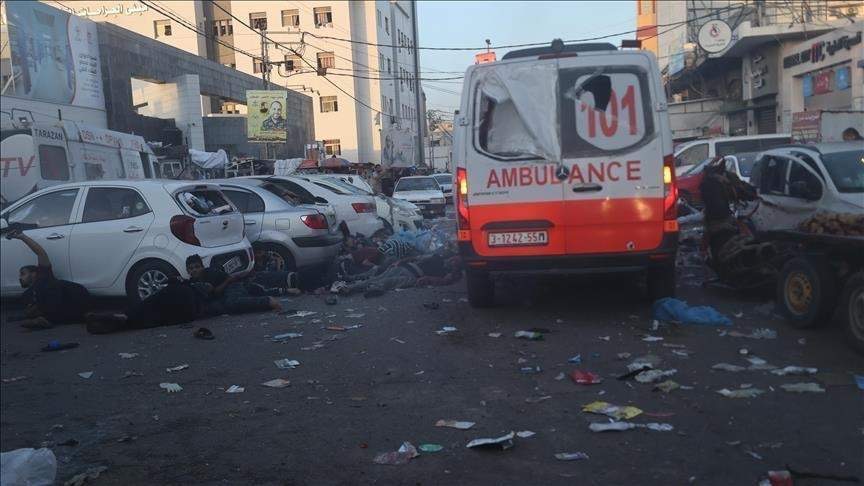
[
  {"x": 54, "y": 56},
  {"x": 116, "y": 9},
  {"x": 819, "y": 51},
  {"x": 805, "y": 126},
  {"x": 714, "y": 36},
  {"x": 265, "y": 119}
]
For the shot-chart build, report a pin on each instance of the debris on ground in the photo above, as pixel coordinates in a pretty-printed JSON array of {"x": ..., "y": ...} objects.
[
  {"x": 298, "y": 313},
  {"x": 403, "y": 455},
  {"x": 170, "y": 387},
  {"x": 761, "y": 333},
  {"x": 757, "y": 363},
  {"x": 58, "y": 346},
  {"x": 355, "y": 316},
  {"x": 28, "y": 467},
  {"x": 538, "y": 399},
  {"x": 571, "y": 456},
  {"x": 803, "y": 387},
  {"x": 622, "y": 426},
  {"x": 454, "y": 424},
  {"x": 14, "y": 379},
  {"x": 174, "y": 369},
  {"x": 277, "y": 383},
  {"x": 431, "y": 305},
  {"x": 667, "y": 386},
  {"x": 530, "y": 335},
  {"x": 670, "y": 309},
  {"x": 431, "y": 447},
  {"x": 794, "y": 370},
  {"x": 128, "y": 355},
  {"x": 524, "y": 434},
  {"x": 741, "y": 392},
  {"x": 286, "y": 364},
  {"x": 623, "y": 356},
  {"x": 615, "y": 411},
  {"x": 500, "y": 443},
  {"x": 649, "y": 360},
  {"x": 652, "y": 339},
  {"x": 85, "y": 477},
  {"x": 85, "y": 374},
  {"x": 559, "y": 376},
  {"x": 859, "y": 380},
  {"x": 575, "y": 359},
  {"x": 331, "y": 300},
  {"x": 445, "y": 330},
  {"x": 728, "y": 367},
  {"x": 530, "y": 370},
  {"x": 494, "y": 334},
  {"x": 342, "y": 328},
  {"x": 287, "y": 335},
  {"x": 235, "y": 389},
  {"x": 204, "y": 333},
  {"x": 653, "y": 376},
  {"x": 585, "y": 377}
]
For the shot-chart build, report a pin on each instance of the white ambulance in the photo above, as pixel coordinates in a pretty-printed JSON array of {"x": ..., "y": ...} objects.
[{"x": 564, "y": 165}]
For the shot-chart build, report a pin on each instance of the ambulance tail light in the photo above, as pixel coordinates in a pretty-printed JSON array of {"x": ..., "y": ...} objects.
[
  {"x": 464, "y": 223},
  {"x": 670, "y": 195}
]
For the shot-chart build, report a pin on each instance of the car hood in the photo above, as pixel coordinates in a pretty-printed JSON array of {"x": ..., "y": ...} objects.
[{"x": 418, "y": 195}]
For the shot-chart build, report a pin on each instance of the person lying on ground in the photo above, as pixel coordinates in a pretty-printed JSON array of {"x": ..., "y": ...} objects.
[
  {"x": 436, "y": 269},
  {"x": 49, "y": 301},
  {"x": 179, "y": 302},
  {"x": 268, "y": 277},
  {"x": 226, "y": 293}
]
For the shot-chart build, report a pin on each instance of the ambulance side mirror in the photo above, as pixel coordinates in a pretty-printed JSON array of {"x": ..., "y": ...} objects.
[{"x": 601, "y": 87}]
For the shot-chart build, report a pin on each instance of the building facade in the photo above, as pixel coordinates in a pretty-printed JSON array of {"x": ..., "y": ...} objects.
[{"x": 364, "y": 85}]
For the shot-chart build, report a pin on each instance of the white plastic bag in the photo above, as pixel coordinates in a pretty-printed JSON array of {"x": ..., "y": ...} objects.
[{"x": 28, "y": 467}]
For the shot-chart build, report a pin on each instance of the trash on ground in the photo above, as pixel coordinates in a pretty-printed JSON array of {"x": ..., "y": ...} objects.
[
  {"x": 794, "y": 370},
  {"x": 761, "y": 333},
  {"x": 494, "y": 334},
  {"x": 235, "y": 389},
  {"x": 431, "y": 447},
  {"x": 130, "y": 374},
  {"x": 653, "y": 376},
  {"x": 180, "y": 367},
  {"x": 623, "y": 356},
  {"x": 538, "y": 399},
  {"x": 170, "y": 387},
  {"x": 354, "y": 316},
  {"x": 299, "y": 313},
  {"x": 571, "y": 456},
  {"x": 14, "y": 379},
  {"x": 741, "y": 392},
  {"x": 342, "y": 328},
  {"x": 649, "y": 360},
  {"x": 651, "y": 339},
  {"x": 286, "y": 364},
  {"x": 667, "y": 386},
  {"x": 585, "y": 377},
  {"x": 728, "y": 367},
  {"x": 757, "y": 363},
  {"x": 85, "y": 477},
  {"x": 610, "y": 410},
  {"x": 128, "y": 355},
  {"x": 530, "y": 370},
  {"x": 803, "y": 387},
  {"x": 403, "y": 455},
  {"x": 631, "y": 374},
  {"x": 287, "y": 335},
  {"x": 445, "y": 330},
  {"x": 85, "y": 374},
  {"x": 37, "y": 467},
  {"x": 431, "y": 305},
  {"x": 575, "y": 359},
  {"x": 454, "y": 424},
  {"x": 58, "y": 346},
  {"x": 670, "y": 309},
  {"x": 503, "y": 443},
  {"x": 560, "y": 376},
  {"x": 525, "y": 434},
  {"x": 622, "y": 426},
  {"x": 277, "y": 383},
  {"x": 204, "y": 333},
  {"x": 533, "y": 336}
]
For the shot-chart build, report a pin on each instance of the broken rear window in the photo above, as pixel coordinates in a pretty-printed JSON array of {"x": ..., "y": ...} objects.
[{"x": 204, "y": 202}]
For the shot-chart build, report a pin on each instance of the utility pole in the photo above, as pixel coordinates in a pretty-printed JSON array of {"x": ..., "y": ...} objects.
[
  {"x": 417, "y": 83},
  {"x": 265, "y": 75}
]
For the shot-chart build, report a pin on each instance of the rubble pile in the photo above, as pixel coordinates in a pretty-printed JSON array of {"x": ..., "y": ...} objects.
[{"x": 842, "y": 224}]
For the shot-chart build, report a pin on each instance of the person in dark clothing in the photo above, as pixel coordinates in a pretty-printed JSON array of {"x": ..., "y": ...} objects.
[
  {"x": 226, "y": 292},
  {"x": 49, "y": 300},
  {"x": 177, "y": 303},
  {"x": 268, "y": 278},
  {"x": 436, "y": 269}
]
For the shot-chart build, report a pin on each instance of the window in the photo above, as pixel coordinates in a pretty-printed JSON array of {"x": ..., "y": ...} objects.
[
  {"x": 162, "y": 28},
  {"x": 773, "y": 176},
  {"x": 245, "y": 201},
  {"x": 692, "y": 155},
  {"x": 328, "y": 104},
  {"x": 378, "y": 17},
  {"x": 332, "y": 147},
  {"x": 53, "y": 163},
  {"x": 416, "y": 184},
  {"x": 323, "y": 16},
  {"x": 387, "y": 25},
  {"x": 389, "y": 67},
  {"x": 222, "y": 27},
  {"x": 381, "y": 63},
  {"x": 399, "y": 36},
  {"x": 291, "y": 18},
  {"x": 326, "y": 60},
  {"x": 204, "y": 202},
  {"x": 230, "y": 108},
  {"x": 803, "y": 184},
  {"x": 288, "y": 191},
  {"x": 109, "y": 203},
  {"x": 846, "y": 170},
  {"x": 257, "y": 65},
  {"x": 52, "y": 209},
  {"x": 258, "y": 21},
  {"x": 293, "y": 63}
]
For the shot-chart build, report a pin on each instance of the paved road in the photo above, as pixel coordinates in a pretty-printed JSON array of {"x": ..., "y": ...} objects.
[{"x": 369, "y": 389}]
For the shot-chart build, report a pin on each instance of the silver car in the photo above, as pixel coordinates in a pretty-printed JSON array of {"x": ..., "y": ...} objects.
[{"x": 293, "y": 235}]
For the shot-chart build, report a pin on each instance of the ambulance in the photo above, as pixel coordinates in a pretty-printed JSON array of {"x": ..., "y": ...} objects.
[{"x": 564, "y": 164}]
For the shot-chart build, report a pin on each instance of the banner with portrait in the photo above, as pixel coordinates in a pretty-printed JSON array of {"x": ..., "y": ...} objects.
[{"x": 265, "y": 120}]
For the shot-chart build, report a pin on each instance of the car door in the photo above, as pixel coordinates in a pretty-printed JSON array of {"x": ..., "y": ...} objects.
[
  {"x": 47, "y": 219},
  {"x": 114, "y": 221},
  {"x": 251, "y": 206},
  {"x": 791, "y": 192}
]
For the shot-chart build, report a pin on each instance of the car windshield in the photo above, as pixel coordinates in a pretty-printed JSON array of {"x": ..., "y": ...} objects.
[
  {"x": 417, "y": 184},
  {"x": 746, "y": 162},
  {"x": 846, "y": 170},
  {"x": 444, "y": 178}
]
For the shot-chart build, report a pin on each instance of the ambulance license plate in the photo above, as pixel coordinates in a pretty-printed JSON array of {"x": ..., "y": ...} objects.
[
  {"x": 519, "y": 238},
  {"x": 232, "y": 265}
]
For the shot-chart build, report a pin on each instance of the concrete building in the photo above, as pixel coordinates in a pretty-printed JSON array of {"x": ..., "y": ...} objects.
[
  {"x": 439, "y": 147},
  {"x": 360, "y": 92}
]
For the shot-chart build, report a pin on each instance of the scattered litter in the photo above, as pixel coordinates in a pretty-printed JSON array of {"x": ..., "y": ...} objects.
[
  {"x": 300, "y": 313},
  {"x": 58, "y": 346},
  {"x": 761, "y": 333},
  {"x": 530, "y": 370},
  {"x": 741, "y": 392},
  {"x": 177, "y": 368},
  {"x": 204, "y": 333},
  {"x": 130, "y": 374},
  {"x": 753, "y": 454},
  {"x": 286, "y": 364},
  {"x": 503, "y": 443},
  {"x": 651, "y": 339},
  {"x": 454, "y": 424},
  {"x": 631, "y": 374},
  {"x": 86, "y": 476},
  {"x": 342, "y": 328},
  {"x": 670, "y": 345},
  {"x": 667, "y": 386},
  {"x": 803, "y": 388},
  {"x": 397, "y": 340},
  {"x": 28, "y": 467},
  {"x": 649, "y": 360},
  {"x": 354, "y": 316},
  {"x": 743, "y": 351},
  {"x": 757, "y": 363},
  {"x": 525, "y": 434},
  {"x": 445, "y": 330},
  {"x": 287, "y": 335},
  {"x": 728, "y": 367},
  {"x": 653, "y": 376},
  {"x": 533, "y": 336},
  {"x": 622, "y": 426},
  {"x": 571, "y": 456},
  {"x": 560, "y": 376},
  {"x": 575, "y": 359},
  {"x": 431, "y": 447},
  {"x": 494, "y": 334},
  {"x": 128, "y": 355},
  {"x": 537, "y": 399},
  {"x": 802, "y": 341},
  {"x": 670, "y": 309},
  {"x": 14, "y": 379},
  {"x": 623, "y": 356},
  {"x": 403, "y": 455},
  {"x": 170, "y": 387},
  {"x": 615, "y": 411},
  {"x": 585, "y": 377},
  {"x": 277, "y": 383},
  {"x": 235, "y": 389},
  {"x": 85, "y": 374},
  {"x": 794, "y": 370}
]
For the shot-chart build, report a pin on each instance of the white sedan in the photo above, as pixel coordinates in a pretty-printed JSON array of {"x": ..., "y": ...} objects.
[{"x": 423, "y": 191}]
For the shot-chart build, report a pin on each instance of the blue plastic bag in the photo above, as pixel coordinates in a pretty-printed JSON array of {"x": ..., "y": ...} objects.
[{"x": 669, "y": 309}]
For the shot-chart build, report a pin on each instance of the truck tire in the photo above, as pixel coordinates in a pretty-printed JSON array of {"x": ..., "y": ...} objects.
[
  {"x": 661, "y": 282},
  {"x": 481, "y": 288},
  {"x": 147, "y": 278},
  {"x": 806, "y": 292},
  {"x": 852, "y": 309}
]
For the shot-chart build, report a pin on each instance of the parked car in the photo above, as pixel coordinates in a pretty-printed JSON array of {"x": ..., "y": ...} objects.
[
  {"x": 691, "y": 153},
  {"x": 397, "y": 214},
  {"x": 354, "y": 213},
  {"x": 352, "y": 179},
  {"x": 125, "y": 237},
  {"x": 689, "y": 182},
  {"x": 423, "y": 191},
  {"x": 294, "y": 236},
  {"x": 446, "y": 183}
]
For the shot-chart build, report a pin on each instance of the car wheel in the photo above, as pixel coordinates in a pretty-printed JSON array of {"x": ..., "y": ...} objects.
[
  {"x": 852, "y": 307},
  {"x": 806, "y": 292},
  {"x": 283, "y": 260},
  {"x": 661, "y": 282},
  {"x": 481, "y": 288},
  {"x": 148, "y": 278}
]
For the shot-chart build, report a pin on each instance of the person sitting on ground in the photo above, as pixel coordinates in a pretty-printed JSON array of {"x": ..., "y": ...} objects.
[
  {"x": 176, "y": 303},
  {"x": 268, "y": 278},
  {"x": 226, "y": 292},
  {"x": 437, "y": 269},
  {"x": 50, "y": 301}
]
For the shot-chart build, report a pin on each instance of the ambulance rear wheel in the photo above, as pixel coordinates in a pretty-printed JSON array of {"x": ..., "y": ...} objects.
[{"x": 481, "y": 288}]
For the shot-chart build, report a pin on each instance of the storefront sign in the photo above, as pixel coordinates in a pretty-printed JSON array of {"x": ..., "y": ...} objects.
[
  {"x": 805, "y": 126},
  {"x": 807, "y": 86},
  {"x": 819, "y": 51},
  {"x": 714, "y": 36}
]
